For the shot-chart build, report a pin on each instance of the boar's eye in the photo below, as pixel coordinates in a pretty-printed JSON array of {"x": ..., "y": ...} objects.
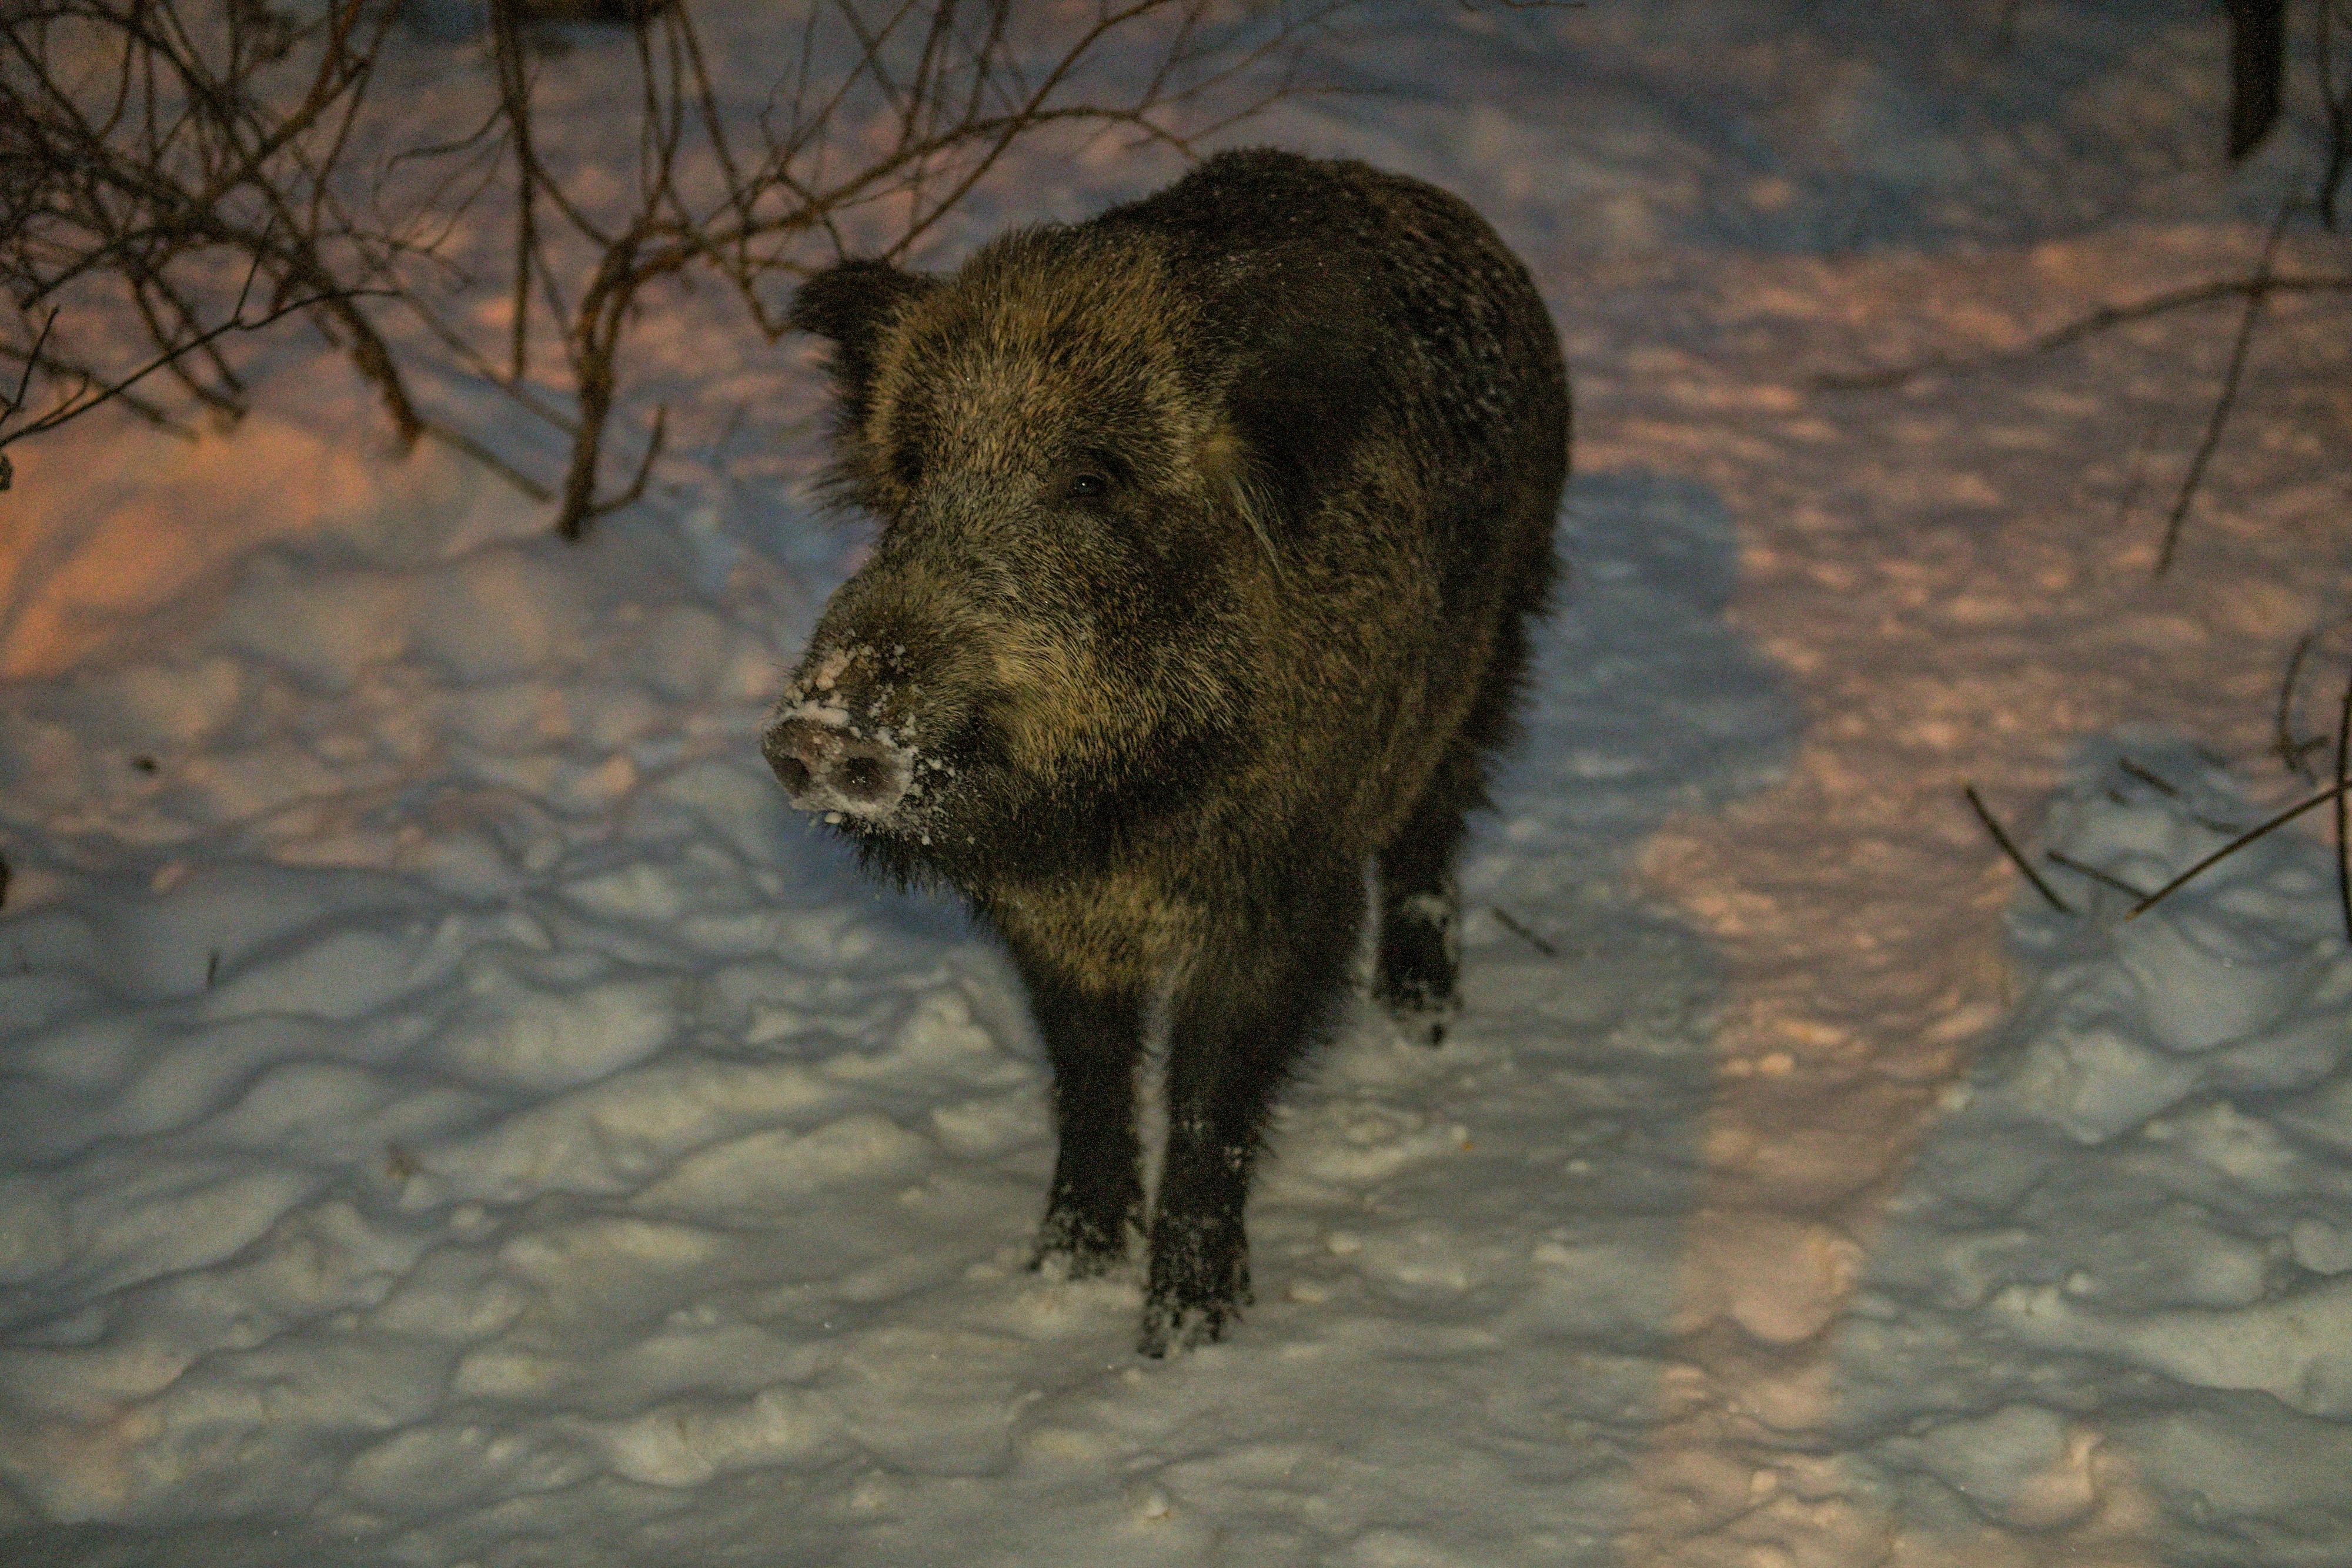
[
  {"x": 1092, "y": 475},
  {"x": 907, "y": 465}
]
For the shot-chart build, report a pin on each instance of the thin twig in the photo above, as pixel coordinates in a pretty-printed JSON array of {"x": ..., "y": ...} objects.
[
  {"x": 2146, "y": 776},
  {"x": 2343, "y": 797},
  {"x": 2016, "y": 857},
  {"x": 86, "y": 398},
  {"x": 2080, "y": 868},
  {"x": 458, "y": 441},
  {"x": 515, "y": 102},
  {"x": 2138, "y": 477},
  {"x": 2099, "y": 321},
  {"x": 2291, "y": 751},
  {"x": 2258, "y": 831},
  {"x": 152, "y": 413},
  {"x": 1511, "y": 924},
  {"x": 2256, "y": 296},
  {"x": 32, "y": 360},
  {"x": 635, "y": 489}
]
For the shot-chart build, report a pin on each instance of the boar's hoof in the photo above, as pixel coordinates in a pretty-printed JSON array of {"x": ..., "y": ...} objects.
[
  {"x": 825, "y": 767},
  {"x": 1080, "y": 1248},
  {"x": 1422, "y": 1017},
  {"x": 1422, "y": 1024},
  {"x": 1183, "y": 1326},
  {"x": 1195, "y": 1294},
  {"x": 1416, "y": 975}
]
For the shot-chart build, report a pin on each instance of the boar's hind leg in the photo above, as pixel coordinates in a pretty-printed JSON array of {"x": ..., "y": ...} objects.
[
  {"x": 1094, "y": 1040},
  {"x": 1420, "y": 909},
  {"x": 1240, "y": 1025},
  {"x": 1418, "y": 961}
]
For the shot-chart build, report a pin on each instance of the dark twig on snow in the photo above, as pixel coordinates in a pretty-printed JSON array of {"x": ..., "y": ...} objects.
[
  {"x": 2009, "y": 847},
  {"x": 2256, "y": 295},
  {"x": 458, "y": 441},
  {"x": 572, "y": 522},
  {"x": 32, "y": 357},
  {"x": 2081, "y": 868},
  {"x": 2138, "y": 474},
  {"x": 2103, "y": 319},
  {"x": 2258, "y": 831},
  {"x": 2343, "y": 826},
  {"x": 1510, "y": 924},
  {"x": 93, "y": 393},
  {"x": 52, "y": 365},
  {"x": 2145, "y": 776},
  {"x": 2290, "y": 750}
]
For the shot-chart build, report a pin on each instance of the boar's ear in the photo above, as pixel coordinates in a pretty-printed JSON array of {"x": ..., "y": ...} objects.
[
  {"x": 1301, "y": 401},
  {"x": 849, "y": 303}
]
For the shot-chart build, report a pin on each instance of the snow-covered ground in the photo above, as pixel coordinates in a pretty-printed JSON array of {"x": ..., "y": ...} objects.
[{"x": 452, "y": 1113}]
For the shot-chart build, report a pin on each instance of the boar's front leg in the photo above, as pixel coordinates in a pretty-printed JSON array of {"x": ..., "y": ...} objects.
[
  {"x": 1241, "y": 1021},
  {"x": 1094, "y": 1039}
]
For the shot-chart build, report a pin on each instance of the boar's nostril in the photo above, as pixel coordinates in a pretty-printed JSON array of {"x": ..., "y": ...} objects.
[
  {"x": 862, "y": 778},
  {"x": 824, "y": 767},
  {"x": 797, "y": 751},
  {"x": 783, "y": 757}
]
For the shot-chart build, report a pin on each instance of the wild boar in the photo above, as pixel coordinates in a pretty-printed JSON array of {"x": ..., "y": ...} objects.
[{"x": 1210, "y": 532}]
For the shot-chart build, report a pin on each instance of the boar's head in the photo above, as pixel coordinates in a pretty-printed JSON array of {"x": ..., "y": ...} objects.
[{"x": 1051, "y": 645}]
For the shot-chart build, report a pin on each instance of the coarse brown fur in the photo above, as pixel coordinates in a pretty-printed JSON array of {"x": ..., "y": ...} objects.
[{"x": 1212, "y": 528}]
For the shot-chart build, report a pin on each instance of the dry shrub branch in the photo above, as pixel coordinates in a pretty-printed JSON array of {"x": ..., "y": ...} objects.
[
  {"x": 160, "y": 159},
  {"x": 2257, "y": 64},
  {"x": 2332, "y": 67}
]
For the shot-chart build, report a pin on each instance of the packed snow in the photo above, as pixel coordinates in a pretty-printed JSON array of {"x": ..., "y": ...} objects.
[
  {"x": 453, "y": 1111},
  {"x": 2129, "y": 1231}
]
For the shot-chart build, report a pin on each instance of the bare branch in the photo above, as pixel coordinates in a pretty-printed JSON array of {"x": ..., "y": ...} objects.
[
  {"x": 92, "y": 396},
  {"x": 2260, "y": 830},
  {"x": 2291, "y": 751},
  {"x": 2344, "y": 809},
  {"x": 2105, "y": 318},
  {"x": 2082, "y": 868},
  {"x": 2257, "y": 293},
  {"x": 2009, "y": 847},
  {"x": 219, "y": 138},
  {"x": 1511, "y": 923}
]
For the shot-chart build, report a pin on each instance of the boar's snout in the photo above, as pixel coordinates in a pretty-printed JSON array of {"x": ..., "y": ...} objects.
[{"x": 825, "y": 766}]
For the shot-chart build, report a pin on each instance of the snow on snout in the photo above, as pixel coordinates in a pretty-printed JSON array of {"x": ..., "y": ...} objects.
[{"x": 828, "y": 762}]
